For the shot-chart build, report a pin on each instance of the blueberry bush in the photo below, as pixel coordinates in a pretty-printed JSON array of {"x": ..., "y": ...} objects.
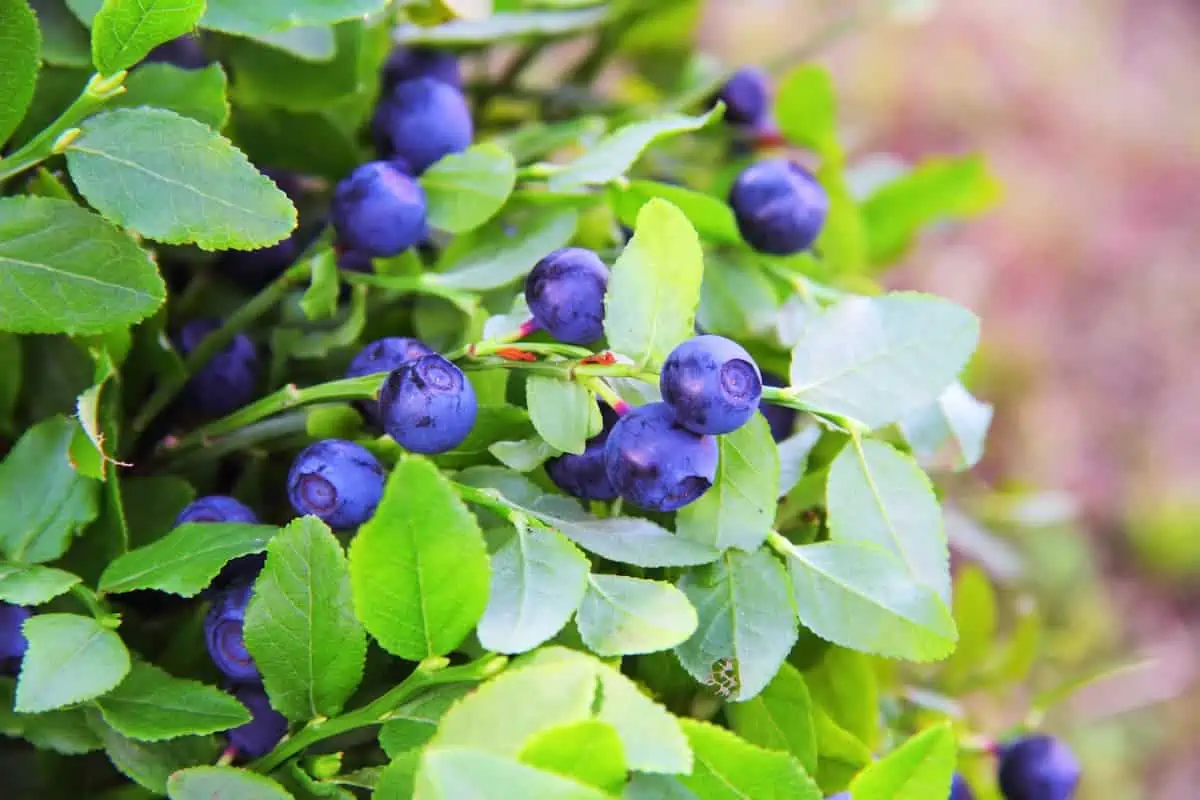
[{"x": 379, "y": 420}]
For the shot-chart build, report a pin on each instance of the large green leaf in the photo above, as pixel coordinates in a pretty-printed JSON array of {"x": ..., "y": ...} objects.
[
  {"x": 729, "y": 768},
  {"x": 175, "y": 180},
  {"x": 919, "y": 769},
  {"x": 300, "y": 625},
  {"x": 878, "y": 358},
  {"x": 588, "y": 751},
  {"x": 125, "y": 31},
  {"x": 187, "y": 559},
  {"x": 747, "y": 623},
  {"x": 454, "y": 773},
  {"x": 45, "y": 500},
  {"x": 223, "y": 783},
  {"x": 780, "y": 718},
  {"x": 712, "y": 218},
  {"x": 465, "y": 190},
  {"x": 498, "y": 259},
  {"x": 32, "y": 585},
  {"x": 150, "y": 705},
  {"x": 622, "y": 616},
  {"x": 195, "y": 93},
  {"x": 957, "y": 419},
  {"x": 66, "y": 270},
  {"x": 70, "y": 659},
  {"x": 563, "y": 412},
  {"x": 419, "y": 567},
  {"x": 654, "y": 290},
  {"x": 20, "y": 41},
  {"x": 269, "y": 16}
]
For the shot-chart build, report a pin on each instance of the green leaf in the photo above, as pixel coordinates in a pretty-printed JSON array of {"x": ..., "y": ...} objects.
[
  {"x": 150, "y": 763},
  {"x": 876, "y": 359},
  {"x": 300, "y": 625},
  {"x": 654, "y": 290},
  {"x": 861, "y": 597},
  {"x": 20, "y": 41},
  {"x": 419, "y": 567},
  {"x": 267, "y": 75},
  {"x": 842, "y": 755},
  {"x": 523, "y": 455},
  {"x": 311, "y": 143},
  {"x": 656, "y": 787},
  {"x": 195, "y": 93},
  {"x": 588, "y": 751},
  {"x": 87, "y": 451},
  {"x": 538, "y": 580},
  {"x": 70, "y": 659},
  {"x": 806, "y": 110},
  {"x": 272, "y": 16},
  {"x": 308, "y": 42},
  {"x": 780, "y": 718},
  {"x": 729, "y": 767},
  {"x": 878, "y": 496},
  {"x": 465, "y": 190},
  {"x": 175, "y": 180},
  {"x": 737, "y": 298},
  {"x": 307, "y": 344},
  {"x": 497, "y": 259},
  {"x": 939, "y": 188},
  {"x": 747, "y": 623},
  {"x": 622, "y": 616},
  {"x": 66, "y": 270},
  {"x": 613, "y": 155},
  {"x": 125, "y": 31},
  {"x": 975, "y": 619},
  {"x": 712, "y": 218},
  {"x": 32, "y": 585},
  {"x": 65, "y": 731},
  {"x": 414, "y": 723},
  {"x": 629, "y": 540},
  {"x": 223, "y": 783},
  {"x": 45, "y": 500},
  {"x": 320, "y": 299},
  {"x": 501, "y": 27},
  {"x": 185, "y": 560},
  {"x": 454, "y": 773},
  {"x": 844, "y": 687},
  {"x": 919, "y": 769},
  {"x": 64, "y": 40},
  {"x": 739, "y": 509},
  {"x": 562, "y": 411},
  {"x": 956, "y": 418},
  {"x": 150, "y": 705}
]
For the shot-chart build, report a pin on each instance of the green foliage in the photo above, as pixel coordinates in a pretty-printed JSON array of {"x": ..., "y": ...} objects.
[
  {"x": 70, "y": 659},
  {"x": 620, "y": 616},
  {"x": 196, "y": 93},
  {"x": 465, "y": 190},
  {"x": 32, "y": 585},
  {"x": 151, "y": 706},
  {"x": 223, "y": 783},
  {"x": 727, "y": 767},
  {"x": 21, "y": 42},
  {"x": 920, "y": 768},
  {"x": 124, "y": 31},
  {"x": 564, "y": 413}
]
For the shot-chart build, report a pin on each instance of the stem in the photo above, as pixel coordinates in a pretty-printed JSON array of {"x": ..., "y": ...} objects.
[
  {"x": 95, "y": 95},
  {"x": 504, "y": 343},
  {"x": 93, "y": 603},
  {"x": 606, "y": 393},
  {"x": 490, "y": 500},
  {"x": 431, "y": 672},
  {"x": 179, "y": 458}
]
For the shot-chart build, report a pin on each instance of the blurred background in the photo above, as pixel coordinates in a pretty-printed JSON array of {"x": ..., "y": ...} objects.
[{"x": 1086, "y": 278}]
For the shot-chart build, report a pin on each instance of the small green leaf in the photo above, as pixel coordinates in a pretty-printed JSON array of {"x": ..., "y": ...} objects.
[
  {"x": 711, "y": 217},
  {"x": 87, "y": 451},
  {"x": 150, "y": 764},
  {"x": 19, "y": 66},
  {"x": 175, "y": 180},
  {"x": 919, "y": 769},
  {"x": 419, "y": 567},
  {"x": 562, "y": 412},
  {"x": 806, "y": 110},
  {"x": 320, "y": 299},
  {"x": 32, "y": 585},
  {"x": 45, "y": 501},
  {"x": 195, "y": 93},
  {"x": 780, "y": 718},
  {"x": 300, "y": 625},
  {"x": 523, "y": 455},
  {"x": 622, "y": 616},
  {"x": 654, "y": 290},
  {"x": 730, "y": 768},
  {"x": 414, "y": 723},
  {"x": 498, "y": 259},
  {"x": 70, "y": 659},
  {"x": 629, "y": 540},
  {"x": 501, "y": 27},
  {"x": 747, "y": 623},
  {"x": 465, "y": 190},
  {"x": 956, "y": 418},
  {"x": 588, "y": 751},
  {"x": 223, "y": 783},
  {"x": 150, "y": 705},
  {"x": 185, "y": 560},
  {"x": 454, "y": 773},
  {"x": 975, "y": 619},
  {"x": 65, "y": 270},
  {"x": 125, "y": 31}
]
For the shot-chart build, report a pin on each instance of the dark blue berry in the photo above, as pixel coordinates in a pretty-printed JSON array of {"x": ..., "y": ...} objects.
[
  {"x": 1038, "y": 768},
  {"x": 427, "y": 405},
  {"x": 216, "y": 508},
  {"x": 959, "y": 790},
  {"x": 379, "y": 210},
  {"x": 223, "y": 634},
  {"x": 228, "y": 381},
  {"x": 384, "y": 355},
  {"x": 336, "y": 480},
  {"x": 712, "y": 384},
  {"x": 747, "y": 96},
  {"x": 779, "y": 206},
  {"x": 184, "y": 52},
  {"x": 656, "y": 463},
  {"x": 354, "y": 261},
  {"x": 12, "y": 639},
  {"x": 408, "y": 63},
  {"x": 583, "y": 475},
  {"x": 565, "y": 292},
  {"x": 781, "y": 419},
  {"x": 264, "y": 730},
  {"x": 424, "y": 119}
]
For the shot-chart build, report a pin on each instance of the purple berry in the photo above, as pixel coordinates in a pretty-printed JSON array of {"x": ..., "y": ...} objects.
[
  {"x": 216, "y": 508},
  {"x": 354, "y": 261},
  {"x": 427, "y": 405},
  {"x": 12, "y": 639},
  {"x": 565, "y": 292},
  {"x": 583, "y": 475},
  {"x": 747, "y": 96},
  {"x": 223, "y": 634},
  {"x": 264, "y": 730},
  {"x": 1038, "y": 768},
  {"x": 781, "y": 419},
  {"x": 338, "y": 481},
  {"x": 228, "y": 380},
  {"x": 408, "y": 63},
  {"x": 379, "y": 210},
  {"x": 656, "y": 463},
  {"x": 184, "y": 52},
  {"x": 423, "y": 119},
  {"x": 779, "y": 206},
  {"x": 959, "y": 790},
  {"x": 384, "y": 355},
  {"x": 712, "y": 384}
]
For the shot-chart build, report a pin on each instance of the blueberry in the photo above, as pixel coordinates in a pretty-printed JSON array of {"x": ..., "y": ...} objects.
[
  {"x": 336, "y": 480},
  {"x": 228, "y": 380},
  {"x": 355, "y": 261},
  {"x": 583, "y": 475},
  {"x": 959, "y": 790},
  {"x": 712, "y": 384},
  {"x": 223, "y": 634},
  {"x": 424, "y": 119},
  {"x": 264, "y": 730},
  {"x": 656, "y": 463},
  {"x": 565, "y": 292},
  {"x": 779, "y": 206},
  {"x": 427, "y": 405},
  {"x": 12, "y": 639},
  {"x": 216, "y": 508},
  {"x": 781, "y": 419},
  {"x": 384, "y": 355},
  {"x": 379, "y": 210},
  {"x": 407, "y": 63},
  {"x": 184, "y": 52},
  {"x": 1038, "y": 768},
  {"x": 747, "y": 96}
]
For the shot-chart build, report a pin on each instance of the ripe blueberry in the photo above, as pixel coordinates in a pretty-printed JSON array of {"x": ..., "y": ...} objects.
[
  {"x": 959, "y": 790},
  {"x": 216, "y": 508},
  {"x": 747, "y": 96},
  {"x": 228, "y": 380},
  {"x": 565, "y": 292},
  {"x": 424, "y": 119},
  {"x": 779, "y": 206},
  {"x": 266, "y": 726},
  {"x": 583, "y": 475},
  {"x": 12, "y": 639},
  {"x": 781, "y": 419},
  {"x": 184, "y": 52},
  {"x": 407, "y": 63},
  {"x": 712, "y": 384},
  {"x": 336, "y": 480},
  {"x": 1038, "y": 768},
  {"x": 656, "y": 463},
  {"x": 223, "y": 634},
  {"x": 427, "y": 405},
  {"x": 379, "y": 210},
  {"x": 354, "y": 261}
]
